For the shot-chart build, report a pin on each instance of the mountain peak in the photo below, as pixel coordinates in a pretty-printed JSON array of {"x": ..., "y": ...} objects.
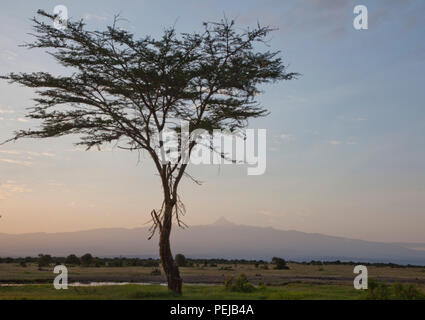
[{"x": 222, "y": 221}]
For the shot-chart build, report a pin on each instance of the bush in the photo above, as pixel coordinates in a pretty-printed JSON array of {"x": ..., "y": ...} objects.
[
  {"x": 262, "y": 286},
  {"x": 226, "y": 268},
  {"x": 407, "y": 292},
  {"x": 241, "y": 284},
  {"x": 72, "y": 259},
  {"x": 44, "y": 260},
  {"x": 156, "y": 272},
  {"x": 382, "y": 291},
  {"x": 378, "y": 290},
  {"x": 86, "y": 260},
  {"x": 180, "y": 260},
  {"x": 280, "y": 263}
]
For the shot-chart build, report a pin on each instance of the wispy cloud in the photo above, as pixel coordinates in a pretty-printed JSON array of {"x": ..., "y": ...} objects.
[
  {"x": 8, "y": 55},
  {"x": 14, "y": 161},
  {"x": 335, "y": 142},
  {"x": 287, "y": 137},
  {"x": 10, "y": 187},
  {"x": 3, "y": 111},
  {"x": 269, "y": 213},
  {"x": 28, "y": 153},
  {"x": 339, "y": 142},
  {"x": 23, "y": 158}
]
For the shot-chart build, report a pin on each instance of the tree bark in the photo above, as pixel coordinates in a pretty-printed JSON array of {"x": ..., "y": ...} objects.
[{"x": 170, "y": 268}]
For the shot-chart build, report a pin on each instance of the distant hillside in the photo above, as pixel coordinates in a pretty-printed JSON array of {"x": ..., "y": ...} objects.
[{"x": 222, "y": 239}]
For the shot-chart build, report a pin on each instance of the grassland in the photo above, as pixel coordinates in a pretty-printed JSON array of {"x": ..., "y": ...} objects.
[
  {"x": 295, "y": 291},
  {"x": 299, "y": 282},
  {"x": 325, "y": 274}
]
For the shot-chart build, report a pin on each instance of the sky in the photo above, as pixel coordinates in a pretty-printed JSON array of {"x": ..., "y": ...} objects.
[{"x": 345, "y": 141}]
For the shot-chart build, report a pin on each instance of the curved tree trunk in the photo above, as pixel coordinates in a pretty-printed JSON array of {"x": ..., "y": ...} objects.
[{"x": 170, "y": 268}]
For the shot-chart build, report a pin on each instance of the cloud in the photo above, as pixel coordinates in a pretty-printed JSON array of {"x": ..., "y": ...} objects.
[
  {"x": 28, "y": 153},
  {"x": 8, "y": 55},
  {"x": 19, "y": 162},
  {"x": 10, "y": 187},
  {"x": 22, "y": 158},
  {"x": 287, "y": 137},
  {"x": 338, "y": 142},
  {"x": 268, "y": 213},
  {"x": 3, "y": 111},
  {"x": 335, "y": 142}
]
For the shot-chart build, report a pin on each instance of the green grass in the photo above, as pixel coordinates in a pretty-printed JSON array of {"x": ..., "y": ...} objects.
[{"x": 190, "y": 292}]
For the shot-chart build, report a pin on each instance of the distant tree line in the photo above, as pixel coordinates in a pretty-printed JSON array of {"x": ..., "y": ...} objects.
[
  {"x": 354, "y": 263},
  {"x": 88, "y": 260}
]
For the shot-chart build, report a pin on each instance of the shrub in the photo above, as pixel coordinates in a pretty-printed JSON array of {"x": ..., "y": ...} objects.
[
  {"x": 378, "y": 290},
  {"x": 398, "y": 291},
  {"x": 226, "y": 268},
  {"x": 156, "y": 272},
  {"x": 241, "y": 284},
  {"x": 407, "y": 292},
  {"x": 180, "y": 260},
  {"x": 44, "y": 260},
  {"x": 72, "y": 259},
  {"x": 262, "y": 286},
  {"x": 86, "y": 259},
  {"x": 280, "y": 263}
]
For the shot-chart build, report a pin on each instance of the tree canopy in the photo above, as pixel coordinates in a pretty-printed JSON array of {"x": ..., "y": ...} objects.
[{"x": 124, "y": 90}]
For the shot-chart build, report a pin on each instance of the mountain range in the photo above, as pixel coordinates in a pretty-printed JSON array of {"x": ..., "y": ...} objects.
[{"x": 222, "y": 239}]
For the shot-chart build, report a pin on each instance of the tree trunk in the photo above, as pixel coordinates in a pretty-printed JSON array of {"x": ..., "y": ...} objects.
[{"x": 170, "y": 268}]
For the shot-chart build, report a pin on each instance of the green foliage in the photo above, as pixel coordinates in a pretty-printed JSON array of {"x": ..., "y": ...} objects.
[
  {"x": 72, "y": 259},
  {"x": 378, "y": 290},
  {"x": 226, "y": 268},
  {"x": 191, "y": 292},
  {"x": 44, "y": 260},
  {"x": 86, "y": 260},
  {"x": 407, "y": 292},
  {"x": 180, "y": 260},
  {"x": 262, "y": 286},
  {"x": 156, "y": 272},
  {"x": 280, "y": 264},
  {"x": 241, "y": 284}
]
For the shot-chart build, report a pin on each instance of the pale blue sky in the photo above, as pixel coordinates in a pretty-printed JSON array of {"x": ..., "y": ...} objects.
[{"x": 346, "y": 148}]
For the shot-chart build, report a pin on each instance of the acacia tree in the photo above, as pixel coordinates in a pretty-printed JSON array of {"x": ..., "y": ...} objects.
[{"x": 126, "y": 91}]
